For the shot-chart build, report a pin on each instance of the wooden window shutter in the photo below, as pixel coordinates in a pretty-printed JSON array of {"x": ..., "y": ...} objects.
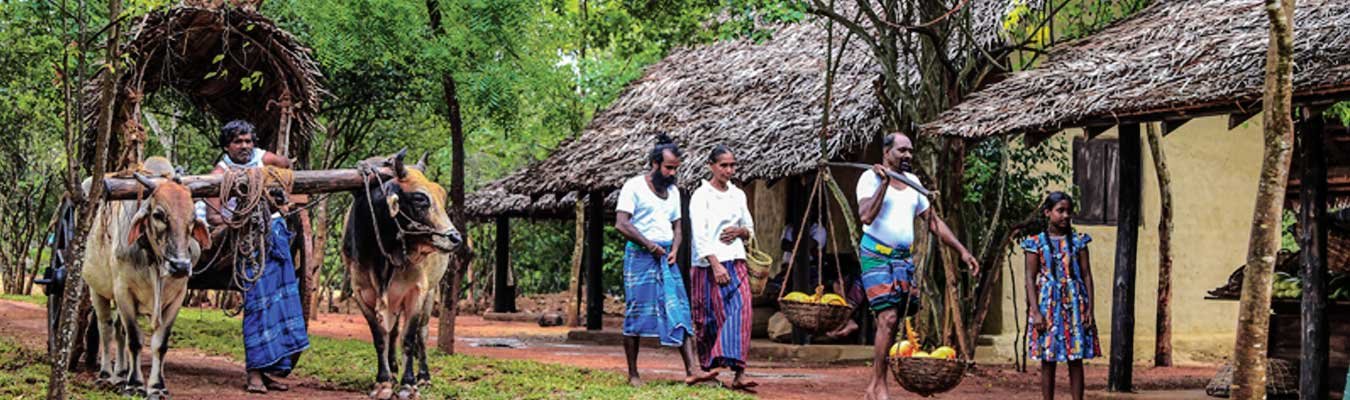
[{"x": 1095, "y": 174}]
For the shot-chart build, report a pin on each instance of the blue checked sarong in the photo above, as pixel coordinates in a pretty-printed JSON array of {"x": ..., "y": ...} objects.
[
  {"x": 657, "y": 305},
  {"x": 274, "y": 322}
]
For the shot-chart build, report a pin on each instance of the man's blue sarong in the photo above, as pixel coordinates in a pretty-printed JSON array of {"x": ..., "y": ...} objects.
[
  {"x": 274, "y": 321},
  {"x": 657, "y": 305}
]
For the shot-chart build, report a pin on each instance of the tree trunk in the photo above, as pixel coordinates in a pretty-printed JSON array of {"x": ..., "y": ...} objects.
[
  {"x": 1162, "y": 350},
  {"x": 75, "y": 290},
  {"x": 450, "y": 298},
  {"x": 319, "y": 248},
  {"x": 1249, "y": 352}
]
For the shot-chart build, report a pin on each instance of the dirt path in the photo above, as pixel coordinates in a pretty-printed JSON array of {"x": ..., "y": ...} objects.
[
  {"x": 195, "y": 375},
  {"x": 191, "y": 374},
  {"x": 778, "y": 380}
]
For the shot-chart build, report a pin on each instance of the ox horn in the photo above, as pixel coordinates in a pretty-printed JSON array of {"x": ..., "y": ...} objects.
[
  {"x": 149, "y": 184},
  {"x": 422, "y": 163},
  {"x": 397, "y": 160}
]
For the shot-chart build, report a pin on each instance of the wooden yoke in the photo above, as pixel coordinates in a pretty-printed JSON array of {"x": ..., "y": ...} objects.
[{"x": 202, "y": 186}]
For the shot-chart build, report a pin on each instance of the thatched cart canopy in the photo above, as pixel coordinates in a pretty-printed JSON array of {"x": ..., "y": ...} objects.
[
  {"x": 232, "y": 63},
  {"x": 1177, "y": 59},
  {"x": 762, "y": 99}
]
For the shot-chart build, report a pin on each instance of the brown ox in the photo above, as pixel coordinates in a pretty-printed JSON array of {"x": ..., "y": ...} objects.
[
  {"x": 397, "y": 245},
  {"x": 140, "y": 255}
]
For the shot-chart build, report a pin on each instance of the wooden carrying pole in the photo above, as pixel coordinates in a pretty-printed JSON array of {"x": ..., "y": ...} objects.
[{"x": 305, "y": 182}]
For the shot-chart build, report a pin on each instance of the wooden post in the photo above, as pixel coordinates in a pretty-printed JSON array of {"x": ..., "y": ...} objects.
[
  {"x": 503, "y": 295},
  {"x": 1162, "y": 348},
  {"x": 595, "y": 245},
  {"x": 574, "y": 285},
  {"x": 1121, "y": 371},
  {"x": 1312, "y": 381}
]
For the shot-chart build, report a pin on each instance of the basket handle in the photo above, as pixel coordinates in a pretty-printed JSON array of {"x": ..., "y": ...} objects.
[{"x": 797, "y": 243}]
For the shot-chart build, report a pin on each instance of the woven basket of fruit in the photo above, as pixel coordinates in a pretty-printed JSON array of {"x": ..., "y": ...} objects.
[
  {"x": 925, "y": 373},
  {"x": 817, "y": 314}
]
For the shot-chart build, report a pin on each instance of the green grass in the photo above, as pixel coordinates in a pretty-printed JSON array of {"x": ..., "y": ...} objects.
[
  {"x": 36, "y": 299},
  {"x": 24, "y": 373},
  {"x": 350, "y": 364}
]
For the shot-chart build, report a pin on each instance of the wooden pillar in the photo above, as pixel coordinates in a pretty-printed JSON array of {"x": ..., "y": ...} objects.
[
  {"x": 1121, "y": 371},
  {"x": 503, "y": 294},
  {"x": 595, "y": 246},
  {"x": 1312, "y": 381}
]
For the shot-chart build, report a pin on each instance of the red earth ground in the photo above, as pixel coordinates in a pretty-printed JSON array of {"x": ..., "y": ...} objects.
[{"x": 194, "y": 375}]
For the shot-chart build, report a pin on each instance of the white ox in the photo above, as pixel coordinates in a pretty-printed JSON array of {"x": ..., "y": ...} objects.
[{"x": 139, "y": 257}]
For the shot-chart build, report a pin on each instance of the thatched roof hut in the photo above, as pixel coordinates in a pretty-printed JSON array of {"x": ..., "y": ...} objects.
[
  {"x": 230, "y": 62},
  {"x": 764, "y": 99},
  {"x": 1177, "y": 59}
]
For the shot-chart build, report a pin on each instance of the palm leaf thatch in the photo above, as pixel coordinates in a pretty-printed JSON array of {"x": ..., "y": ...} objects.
[
  {"x": 1176, "y": 59},
  {"x": 764, "y": 100},
  {"x": 232, "y": 63}
]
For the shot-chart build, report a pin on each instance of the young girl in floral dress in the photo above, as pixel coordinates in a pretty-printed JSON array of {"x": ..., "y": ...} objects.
[{"x": 1059, "y": 297}]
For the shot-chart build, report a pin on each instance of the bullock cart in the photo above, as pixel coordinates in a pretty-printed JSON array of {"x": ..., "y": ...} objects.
[{"x": 200, "y": 51}]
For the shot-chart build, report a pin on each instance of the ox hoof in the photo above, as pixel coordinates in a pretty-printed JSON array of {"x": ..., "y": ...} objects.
[
  {"x": 383, "y": 391},
  {"x": 133, "y": 390},
  {"x": 158, "y": 394},
  {"x": 408, "y": 392},
  {"x": 423, "y": 382}
]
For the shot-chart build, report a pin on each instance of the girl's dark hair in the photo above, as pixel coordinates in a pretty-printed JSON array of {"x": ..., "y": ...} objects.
[
  {"x": 718, "y": 151},
  {"x": 1050, "y": 201},
  {"x": 232, "y": 130},
  {"x": 1054, "y": 198},
  {"x": 663, "y": 144}
]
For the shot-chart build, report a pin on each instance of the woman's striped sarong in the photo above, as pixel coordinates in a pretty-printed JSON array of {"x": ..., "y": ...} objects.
[
  {"x": 722, "y": 313},
  {"x": 657, "y": 305}
]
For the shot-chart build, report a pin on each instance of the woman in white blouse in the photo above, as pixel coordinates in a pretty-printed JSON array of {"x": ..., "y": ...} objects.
[{"x": 720, "y": 280}]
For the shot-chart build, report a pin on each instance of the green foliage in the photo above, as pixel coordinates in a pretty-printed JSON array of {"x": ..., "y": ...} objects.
[{"x": 1340, "y": 111}]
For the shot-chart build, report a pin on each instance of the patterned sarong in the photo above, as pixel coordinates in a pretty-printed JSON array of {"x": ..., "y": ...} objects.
[
  {"x": 274, "y": 322},
  {"x": 722, "y": 313},
  {"x": 888, "y": 279},
  {"x": 657, "y": 305}
]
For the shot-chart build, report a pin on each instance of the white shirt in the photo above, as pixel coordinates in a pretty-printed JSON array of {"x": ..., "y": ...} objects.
[
  {"x": 894, "y": 225},
  {"x": 710, "y": 211},
  {"x": 652, "y": 215}
]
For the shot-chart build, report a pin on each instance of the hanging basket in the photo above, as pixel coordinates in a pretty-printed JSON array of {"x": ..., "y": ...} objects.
[
  {"x": 928, "y": 376},
  {"x": 1281, "y": 380},
  {"x": 816, "y": 318}
]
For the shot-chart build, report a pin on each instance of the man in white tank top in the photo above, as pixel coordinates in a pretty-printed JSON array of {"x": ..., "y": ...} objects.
[{"x": 888, "y": 209}]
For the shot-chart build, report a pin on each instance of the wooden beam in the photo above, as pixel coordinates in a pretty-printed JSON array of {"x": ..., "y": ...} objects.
[
  {"x": 595, "y": 245},
  {"x": 1121, "y": 371},
  {"x": 1312, "y": 381},
  {"x": 1095, "y": 130},
  {"x": 1237, "y": 119},
  {"x": 503, "y": 292},
  {"x": 305, "y": 182},
  {"x": 1171, "y": 125}
]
